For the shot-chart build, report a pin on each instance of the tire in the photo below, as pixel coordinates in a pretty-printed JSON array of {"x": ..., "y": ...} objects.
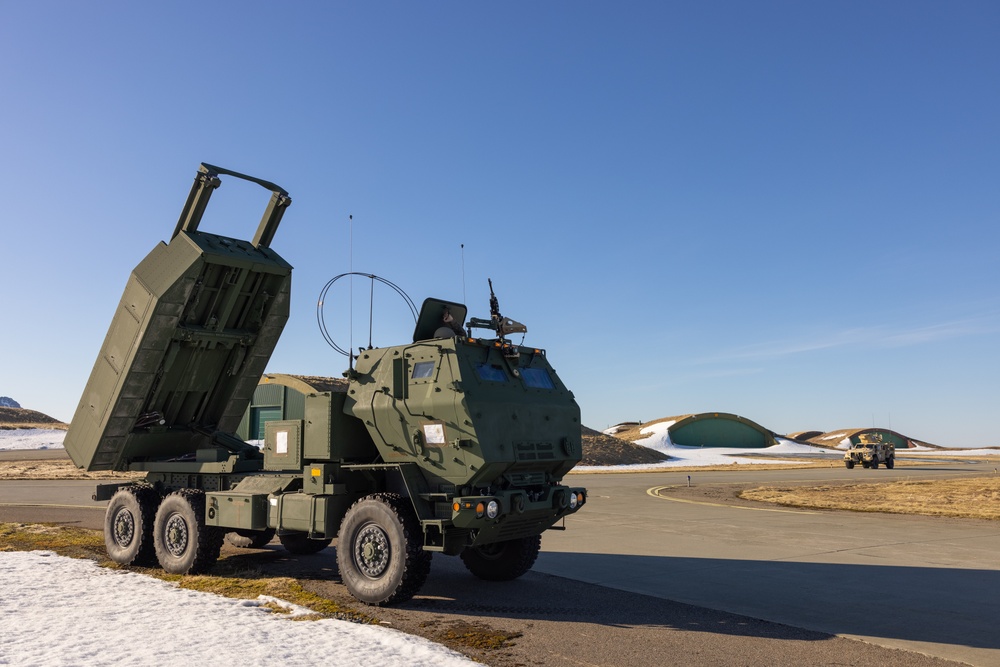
[
  {"x": 301, "y": 545},
  {"x": 380, "y": 550},
  {"x": 890, "y": 463},
  {"x": 503, "y": 561},
  {"x": 128, "y": 526},
  {"x": 865, "y": 464},
  {"x": 874, "y": 464},
  {"x": 250, "y": 539},
  {"x": 184, "y": 544},
  {"x": 849, "y": 464}
]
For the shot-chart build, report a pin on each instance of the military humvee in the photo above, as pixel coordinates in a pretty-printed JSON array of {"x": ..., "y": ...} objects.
[
  {"x": 870, "y": 452},
  {"x": 448, "y": 443}
]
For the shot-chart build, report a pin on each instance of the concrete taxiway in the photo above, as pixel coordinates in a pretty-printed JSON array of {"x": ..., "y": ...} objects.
[
  {"x": 921, "y": 584},
  {"x": 924, "y": 584}
]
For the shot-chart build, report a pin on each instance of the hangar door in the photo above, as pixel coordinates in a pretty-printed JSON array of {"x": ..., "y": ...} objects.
[{"x": 718, "y": 432}]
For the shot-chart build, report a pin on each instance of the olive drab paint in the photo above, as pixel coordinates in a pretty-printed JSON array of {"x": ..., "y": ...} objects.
[{"x": 451, "y": 442}]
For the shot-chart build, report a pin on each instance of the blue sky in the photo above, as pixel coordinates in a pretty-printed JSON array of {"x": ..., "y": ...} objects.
[{"x": 785, "y": 210}]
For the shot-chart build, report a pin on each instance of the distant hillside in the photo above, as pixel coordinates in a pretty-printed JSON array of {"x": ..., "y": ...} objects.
[
  {"x": 8, "y": 402},
  {"x": 632, "y": 431},
  {"x": 24, "y": 418},
  {"x": 605, "y": 450}
]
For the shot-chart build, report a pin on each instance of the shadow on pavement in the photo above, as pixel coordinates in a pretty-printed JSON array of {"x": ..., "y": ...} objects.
[
  {"x": 937, "y": 605},
  {"x": 954, "y": 606}
]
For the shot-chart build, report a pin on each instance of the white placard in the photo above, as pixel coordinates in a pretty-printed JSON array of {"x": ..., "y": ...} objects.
[
  {"x": 434, "y": 434},
  {"x": 281, "y": 446}
]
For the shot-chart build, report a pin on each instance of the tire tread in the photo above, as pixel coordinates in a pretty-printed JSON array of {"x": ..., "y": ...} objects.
[{"x": 416, "y": 562}]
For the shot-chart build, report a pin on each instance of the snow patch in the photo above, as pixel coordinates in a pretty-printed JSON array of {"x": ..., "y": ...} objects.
[
  {"x": 31, "y": 438},
  {"x": 681, "y": 456},
  {"x": 659, "y": 436},
  {"x": 57, "y": 611}
]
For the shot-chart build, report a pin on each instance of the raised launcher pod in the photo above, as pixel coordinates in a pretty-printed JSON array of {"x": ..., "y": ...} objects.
[{"x": 189, "y": 341}]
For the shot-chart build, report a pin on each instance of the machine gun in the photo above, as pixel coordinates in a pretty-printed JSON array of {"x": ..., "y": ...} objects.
[{"x": 497, "y": 322}]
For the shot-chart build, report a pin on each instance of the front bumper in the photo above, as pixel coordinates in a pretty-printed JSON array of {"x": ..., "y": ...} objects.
[{"x": 515, "y": 513}]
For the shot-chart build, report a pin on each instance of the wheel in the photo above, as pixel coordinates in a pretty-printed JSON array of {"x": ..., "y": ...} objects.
[
  {"x": 890, "y": 463},
  {"x": 128, "y": 526},
  {"x": 503, "y": 561},
  {"x": 301, "y": 545},
  {"x": 184, "y": 544},
  {"x": 250, "y": 539},
  {"x": 874, "y": 464},
  {"x": 849, "y": 464},
  {"x": 380, "y": 550},
  {"x": 865, "y": 464}
]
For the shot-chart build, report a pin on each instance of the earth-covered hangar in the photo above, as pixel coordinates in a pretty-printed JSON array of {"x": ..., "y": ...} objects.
[
  {"x": 719, "y": 429},
  {"x": 704, "y": 429},
  {"x": 846, "y": 437}
]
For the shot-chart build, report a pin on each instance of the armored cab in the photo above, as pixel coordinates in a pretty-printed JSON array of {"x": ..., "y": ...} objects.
[
  {"x": 486, "y": 422},
  {"x": 450, "y": 443}
]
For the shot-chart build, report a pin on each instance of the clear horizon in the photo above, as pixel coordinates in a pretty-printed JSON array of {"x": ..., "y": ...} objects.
[{"x": 786, "y": 211}]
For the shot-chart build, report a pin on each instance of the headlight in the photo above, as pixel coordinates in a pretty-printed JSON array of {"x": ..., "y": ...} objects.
[
  {"x": 492, "y": 509},
  {"x": 572, "y": 501}
]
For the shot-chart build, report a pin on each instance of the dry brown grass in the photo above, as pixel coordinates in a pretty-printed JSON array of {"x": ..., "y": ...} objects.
[
  {"x": 605, "y": 450},
  {"x": 971, "y": 497},
  {"x": 57, "y": 469},
  {"x": 721, "y": 467},
  {"x": 24, "y": 418},
  {"x": 633, "y": 431},
  {"x": 64, "y": 540},
  {"x": 470, "y": 635}
]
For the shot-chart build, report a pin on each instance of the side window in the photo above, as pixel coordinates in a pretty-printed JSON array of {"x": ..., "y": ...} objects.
[
  {"x": 491, "y": 373},
  {"x": 422, "y": 370},
  {"x": 537, "y": 378}
]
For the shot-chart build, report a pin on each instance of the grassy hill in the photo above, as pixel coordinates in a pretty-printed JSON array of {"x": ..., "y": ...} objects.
[
  {"x": 24, "y": 418},
  {"x": 605, "y": 450}
]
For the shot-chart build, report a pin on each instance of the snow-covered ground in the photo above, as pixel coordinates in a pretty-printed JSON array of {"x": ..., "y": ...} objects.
[
  {"x": 31, "y": 438},
  {"x": 64, "y": 611}
]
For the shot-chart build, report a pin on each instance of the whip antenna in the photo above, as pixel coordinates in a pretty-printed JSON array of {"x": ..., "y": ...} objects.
[
  {"x": 350, "y": 289},
  {"x": 464, "y": 300}
]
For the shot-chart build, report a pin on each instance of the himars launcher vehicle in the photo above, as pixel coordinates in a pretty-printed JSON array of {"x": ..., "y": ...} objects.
[{"x": 450, "y": 443}]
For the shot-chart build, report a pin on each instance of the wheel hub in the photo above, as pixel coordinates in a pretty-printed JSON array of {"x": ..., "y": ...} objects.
[
  {"x": 124, "y": 528},
  {"x": 371, "y": 551},
  {"x": 491, "y": 551},
  {"x": 176, "y": 535}
]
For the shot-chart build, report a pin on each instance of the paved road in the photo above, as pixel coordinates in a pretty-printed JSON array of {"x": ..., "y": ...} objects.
[
  {"x": 64, "y": 501},
  {"x": 924, "y": 585},
  {"x": 918, "y": 583}
]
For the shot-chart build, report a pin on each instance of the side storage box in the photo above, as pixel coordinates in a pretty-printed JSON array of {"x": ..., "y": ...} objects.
[
  {"x": 320, "y": 516},
  {"x": 232, "y": 509}
]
